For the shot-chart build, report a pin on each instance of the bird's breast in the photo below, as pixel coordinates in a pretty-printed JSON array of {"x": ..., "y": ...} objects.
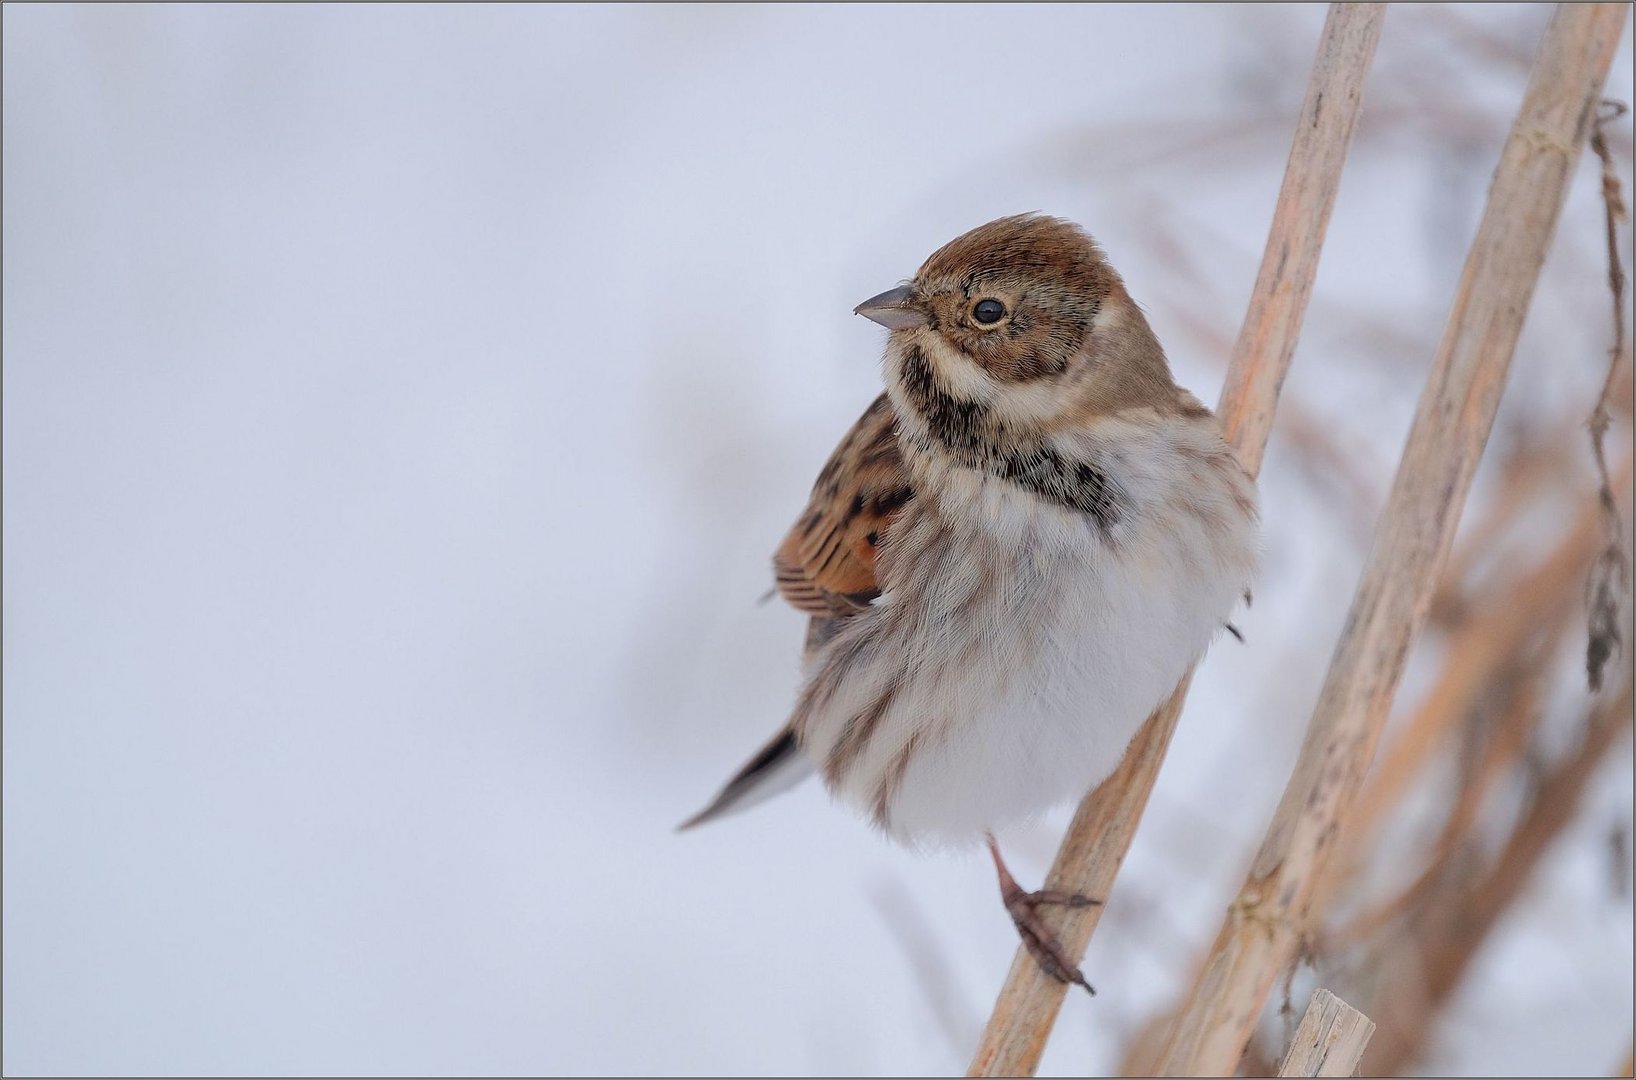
[{"x": 1017, "y": 648}]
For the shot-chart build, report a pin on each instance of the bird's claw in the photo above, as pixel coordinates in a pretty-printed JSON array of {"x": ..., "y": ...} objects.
[{"x": 1042, "y": 945}]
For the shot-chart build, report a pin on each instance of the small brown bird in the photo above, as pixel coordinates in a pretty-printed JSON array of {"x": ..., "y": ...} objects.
[{"x": 1012, "y": 557}]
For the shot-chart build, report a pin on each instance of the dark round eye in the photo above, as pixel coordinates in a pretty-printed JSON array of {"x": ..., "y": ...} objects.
[{"x": 988, "y": 311}]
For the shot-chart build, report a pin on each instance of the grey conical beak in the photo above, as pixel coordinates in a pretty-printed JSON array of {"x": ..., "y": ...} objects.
[{"x": 895, "y": 309}]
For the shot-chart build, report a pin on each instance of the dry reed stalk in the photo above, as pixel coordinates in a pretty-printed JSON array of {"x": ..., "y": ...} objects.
[
  {"x": 1441, "y": 922},
  {"x": 1260, "y": 935},
  {"x": 1330, "y": 1040},
  {"x": 1502, "y": 656},
  {"x": 1610, "y": 579},
  {"x": 1431, "y": 958},
  {"x": 1476, "y": 650},
  {"x": 1543, "y": 602},
  {"x": 1101, "y": 832},
  {"x": 1518, "y": 690}
]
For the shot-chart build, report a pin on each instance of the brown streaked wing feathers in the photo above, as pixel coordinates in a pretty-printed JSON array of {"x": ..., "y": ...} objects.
[
  {"x": 826, "y": 568},
  {"x": 826, "y": 565}
]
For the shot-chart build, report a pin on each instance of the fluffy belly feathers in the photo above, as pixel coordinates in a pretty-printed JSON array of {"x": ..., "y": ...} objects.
[{"x": 1019, "y": 648}]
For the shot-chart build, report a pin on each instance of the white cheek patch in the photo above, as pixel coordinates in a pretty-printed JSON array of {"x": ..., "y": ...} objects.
[
  {"x": 1031, "y": 404},
  {"x": 960, "y": 375}
]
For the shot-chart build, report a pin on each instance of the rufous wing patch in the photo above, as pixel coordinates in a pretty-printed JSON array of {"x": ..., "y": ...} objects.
[{"x": 826, "y": 564}]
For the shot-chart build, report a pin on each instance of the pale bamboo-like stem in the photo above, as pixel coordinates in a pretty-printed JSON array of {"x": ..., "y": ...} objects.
[
  {"x": 1451, "y": 425},
  {"x": 1101, "y": 832},
  {"x": 1527, "y": 619},
  {"x": 1330, "y": 1039},
  {"x": 1483, "y": 645}
]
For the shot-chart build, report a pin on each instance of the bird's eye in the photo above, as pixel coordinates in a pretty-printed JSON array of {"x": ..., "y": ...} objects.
[{"x": 988, "y": 311}]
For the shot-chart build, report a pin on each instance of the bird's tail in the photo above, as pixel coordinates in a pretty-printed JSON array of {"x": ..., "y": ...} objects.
[{"x": 778, "y": 767}]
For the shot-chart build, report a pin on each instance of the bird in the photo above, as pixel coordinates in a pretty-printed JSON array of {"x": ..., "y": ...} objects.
[{"x": 1010, "y": 560}]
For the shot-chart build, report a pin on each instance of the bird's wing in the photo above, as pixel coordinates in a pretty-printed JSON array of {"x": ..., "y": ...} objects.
[
  {"x": 826, "y": 565},
  {"x": 826, "y": 568}
]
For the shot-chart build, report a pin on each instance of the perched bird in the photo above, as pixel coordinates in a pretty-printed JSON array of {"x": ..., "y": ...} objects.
[{"x": 1010, "y": 560}]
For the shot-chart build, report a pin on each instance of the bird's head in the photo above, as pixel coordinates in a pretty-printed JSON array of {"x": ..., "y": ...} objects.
[{"x": 1018, "y": 326}]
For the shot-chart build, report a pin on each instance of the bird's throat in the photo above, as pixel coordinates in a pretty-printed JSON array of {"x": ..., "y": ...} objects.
[{"x": 941, "y": 427}]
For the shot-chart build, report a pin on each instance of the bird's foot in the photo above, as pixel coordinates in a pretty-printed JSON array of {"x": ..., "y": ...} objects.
[{"x": 1041, "y": 943}]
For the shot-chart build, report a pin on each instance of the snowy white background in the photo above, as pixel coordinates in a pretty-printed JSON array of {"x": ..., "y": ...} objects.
[{"x": 401, "y": 404}]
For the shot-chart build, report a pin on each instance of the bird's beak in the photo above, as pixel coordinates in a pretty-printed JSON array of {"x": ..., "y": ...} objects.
[{"x": 895, "y": 309}]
